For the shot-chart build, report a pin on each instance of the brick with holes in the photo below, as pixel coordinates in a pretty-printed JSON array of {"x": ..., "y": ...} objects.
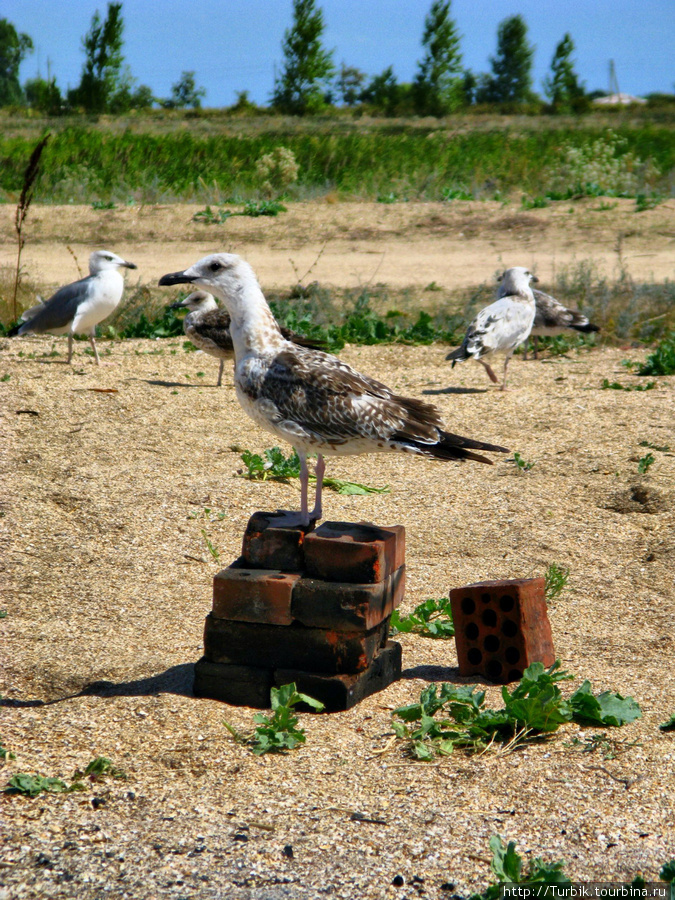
[{"x": 501, "y": 627}]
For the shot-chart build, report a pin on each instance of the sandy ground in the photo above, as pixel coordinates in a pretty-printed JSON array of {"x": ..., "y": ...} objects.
[
  {"x": 110, "y": 577},
  {"x": 106, "y": 580},
  {"x": 403, "y": 245}
]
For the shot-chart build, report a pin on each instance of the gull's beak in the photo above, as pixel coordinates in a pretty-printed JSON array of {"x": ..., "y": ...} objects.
[
  {"x": 177, "y": 305},
  {"x": 534, "y": 279},
  {"x": 175, "y": 278},
  {"x": 130, "y": 265}
]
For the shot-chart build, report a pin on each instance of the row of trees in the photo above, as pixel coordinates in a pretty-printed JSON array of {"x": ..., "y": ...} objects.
[
  {"x": 106, "y": 83},
  {"x": 308, "y": 81}
]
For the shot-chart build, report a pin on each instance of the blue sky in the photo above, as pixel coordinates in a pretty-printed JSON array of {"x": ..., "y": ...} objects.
[{"x": 233, "y": 45}]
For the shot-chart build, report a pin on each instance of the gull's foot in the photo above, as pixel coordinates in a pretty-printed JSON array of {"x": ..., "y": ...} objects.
[{"x": 284, "y": 518}]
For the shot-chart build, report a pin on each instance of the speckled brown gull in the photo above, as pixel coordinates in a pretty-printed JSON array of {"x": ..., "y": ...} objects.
[
  {"x": 311, "y": 399},
  {"x": 77, "y": 308},
  {"x": 501, "y": 326},
  {"x": 208, "y": 328}
]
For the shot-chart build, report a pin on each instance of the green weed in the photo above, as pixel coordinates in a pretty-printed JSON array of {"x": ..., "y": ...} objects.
[
  {"x": 556, "y": 579},
  {"x": 662, "y": 360},
  {"x": 534, "y": 203},
  {"x": 5, "y": 377},
  {"x": 99, "y": 768},
  {"x": 521, "y": 464},
  {"x": 34, "y": 785},
  {"x": 644, "y": 202},
  {"x": 5, "y": 754},
  {"x": 262, "y": 208},
  {"x": 103, "y": 204},
  {"x": 669, "y": 724},
  {"x": 211, "y": 515},
  {"x": 456, "y": 193},
  {"x": 432, "y": 618},
  {"x": 609, "y": 747},
  {"x": 662, "y": 448},
  {"x": 617, "y": 386},
  {"x": 274, "y": 466},
  {"x": 280, "y": 731},
  {"x": 210, "y": 216},
  {"x": 645, "y": 462},
  {"x": 667, "y": 872},
  {"x": 507, "y": 867},
  {"x": 449, "y": 717},
  {"x": 215, "y": 553}
]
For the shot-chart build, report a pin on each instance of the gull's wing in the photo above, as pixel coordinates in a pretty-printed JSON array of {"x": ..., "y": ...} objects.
[{"x": 61, "y": 308}]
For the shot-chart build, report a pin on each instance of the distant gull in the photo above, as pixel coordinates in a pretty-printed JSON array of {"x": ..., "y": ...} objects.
[
  {"x": 208, "y": 327},
  {"x": 502, "y": 325},
  {"x": 77, "y": 308},
  {"x": 312, "y": 399},
  {"x": 552, "y": 318}
]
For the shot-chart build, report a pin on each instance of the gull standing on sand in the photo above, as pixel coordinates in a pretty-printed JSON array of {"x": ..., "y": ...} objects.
[
  {"x": 502, "y": 325},
  {"x": 552, "y": 318},
  {"x": 77, "y": 308},
  {"x": 208, "y": 327},
  {"x": 312, "y": 399}
]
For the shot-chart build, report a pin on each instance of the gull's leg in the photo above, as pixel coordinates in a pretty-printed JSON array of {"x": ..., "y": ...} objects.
[
  {"x": 535, "y": 344},
  {"x": 319, "y": 471},
  {"x": 488, "y": 369},
  {"x": 93, "y": 347},
  {"x": 304, "y": 488},
  {"x": 220, "y": 373},
  {"x": 506, "y": 363},
  {"x": 70, "y": 348},
  {"x": 525, "y": 345}
]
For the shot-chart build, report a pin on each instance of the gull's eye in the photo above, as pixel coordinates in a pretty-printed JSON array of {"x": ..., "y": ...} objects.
[{"x": 215, "y": 267}]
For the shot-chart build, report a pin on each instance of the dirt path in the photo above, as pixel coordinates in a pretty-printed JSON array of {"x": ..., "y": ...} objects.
[
  {"x": 103, "y": 506},
  {"x": 457, "y": 245}
]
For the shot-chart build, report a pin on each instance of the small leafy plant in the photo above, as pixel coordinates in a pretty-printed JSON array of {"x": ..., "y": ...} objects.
[
  {"x": 451, "y": 717},
  {"x": 662, "y": 360},
  {"x": 103, "y": 204},
  {"x": 211, "y": 515},
  {"x": 521, "y": 464},
  {"x": 210, "y": 216},
  {"x": 215, "y": 553},
  {"x": 662, "y": 448},
  {"x": 669, "y": 724},
  {"x": 280, "y": 731},
  {"x": 645, "y": 462},
  {"x": 507, "y": 866},
  {"x": 262, "y": 208},
  {"x": 556, "y": 579},
  {"x": 99, "y": 768},
  {"x": 609, "y": 747},
  {"x": 617, "y": 386},
  {"x": 432, "y": 618},
  {"x": 274, "y": 466},
  {"x": 34, "y": 785},
  {"x": 5, "y": 754},
  {"x": 5, "y": 377}
]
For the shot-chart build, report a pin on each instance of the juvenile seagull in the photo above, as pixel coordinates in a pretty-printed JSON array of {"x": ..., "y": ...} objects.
[
  {"x": 208, "y": 327},
  {"x": 77, "y": 308},
  {"x": 309, "y": 398},
  {"x": 502, "y": 325},
  {"x": 552, "y": 318}
]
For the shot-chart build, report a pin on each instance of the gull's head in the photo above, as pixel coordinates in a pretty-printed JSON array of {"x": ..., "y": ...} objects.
[
  {"x": 197, "y": 301},
  {"x": 222, "y": 274},
  {"x": 516, "y": 281},
  {"x": 103, "y": 260}
]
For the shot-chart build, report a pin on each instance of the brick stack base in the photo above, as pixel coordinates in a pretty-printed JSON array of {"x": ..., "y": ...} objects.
[
  {"x": 501, "y": 627},
  {"x": 310, "y": 607}
]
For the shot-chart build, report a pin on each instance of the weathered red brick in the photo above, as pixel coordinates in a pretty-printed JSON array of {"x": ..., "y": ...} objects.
[
  {"x": 267, "y": 546},
  {"x": 292, "y": 646},
  {"x": 356, "y": 553},
  {"x": 346, "y": 607},
  {"x": 238, "y": 685},
  {"x": 501, "y": 627},
  {"x": 253, "y": 595},
  {"x": 340, "y": 692}
]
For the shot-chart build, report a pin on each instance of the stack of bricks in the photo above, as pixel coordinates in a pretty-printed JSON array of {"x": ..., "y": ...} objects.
[
  {"x": 501, "y": 627},
  {"x": 310, "y": 607}
]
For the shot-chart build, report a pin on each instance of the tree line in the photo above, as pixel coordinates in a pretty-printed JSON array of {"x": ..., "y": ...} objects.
[{"x": 309, "y": 81}]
